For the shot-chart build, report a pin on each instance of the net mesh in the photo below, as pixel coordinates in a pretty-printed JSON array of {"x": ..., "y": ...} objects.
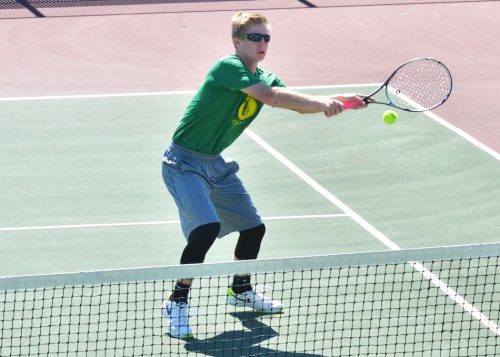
[
  {"x": 369, "y": 304},
  {"x": 421, "y": 84}
]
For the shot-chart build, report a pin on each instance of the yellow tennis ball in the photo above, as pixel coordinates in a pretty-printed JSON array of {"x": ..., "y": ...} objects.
[{"x": 390, "y": 117}]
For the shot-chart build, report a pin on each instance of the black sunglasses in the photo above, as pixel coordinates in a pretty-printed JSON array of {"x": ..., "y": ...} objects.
[{"x": 257, "y": 37}]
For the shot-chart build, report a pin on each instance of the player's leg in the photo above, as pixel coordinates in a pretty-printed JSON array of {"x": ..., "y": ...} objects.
[
  {"x": 200, "y": 225},
  {"x": 238, "y": 213},
  {"x": 247, "y": 248},
  {"x": 199, "y": 242},
  {"x": 242, "y": 292},
  {"x": 176, "y": 308}
]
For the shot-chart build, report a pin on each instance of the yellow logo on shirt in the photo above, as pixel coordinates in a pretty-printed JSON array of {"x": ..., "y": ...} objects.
[{"x": 247, "y": 109}]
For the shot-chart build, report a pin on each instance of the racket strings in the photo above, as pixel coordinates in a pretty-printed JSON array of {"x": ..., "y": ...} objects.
[{"x": 419, "y": 85}]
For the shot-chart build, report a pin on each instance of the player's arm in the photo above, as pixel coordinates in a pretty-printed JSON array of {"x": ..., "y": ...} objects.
[
  {"x": 302, "y": 103},
  {"x": 287, "y": 99}
]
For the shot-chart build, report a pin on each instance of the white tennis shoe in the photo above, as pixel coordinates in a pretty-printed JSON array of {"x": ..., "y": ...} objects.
[
  {"x": 177, "y": 319},
  {"x": 255, "y": 300}
]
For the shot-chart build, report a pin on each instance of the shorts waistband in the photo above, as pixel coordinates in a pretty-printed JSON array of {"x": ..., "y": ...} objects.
[{"x": 190, "y": 153}]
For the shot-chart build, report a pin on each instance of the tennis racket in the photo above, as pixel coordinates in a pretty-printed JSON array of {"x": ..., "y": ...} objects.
[{"x": 418, "y": 85}]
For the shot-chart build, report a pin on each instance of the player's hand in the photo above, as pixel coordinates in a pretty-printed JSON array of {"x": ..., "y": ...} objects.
[
  {"x": 332, "y": 107},
  {"x": 356, "y": 98}
]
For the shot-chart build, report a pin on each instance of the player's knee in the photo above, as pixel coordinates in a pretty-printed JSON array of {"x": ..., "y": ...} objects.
[
  {"x": 249, "y": 242},
  {"x": 199, "y": 242}
]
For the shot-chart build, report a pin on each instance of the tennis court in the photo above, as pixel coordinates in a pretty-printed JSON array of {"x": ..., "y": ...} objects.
[
  {"x": 85, "y": 194},
  {"x": 81, "y": 190},
  {"x": 95, "y": 161}
]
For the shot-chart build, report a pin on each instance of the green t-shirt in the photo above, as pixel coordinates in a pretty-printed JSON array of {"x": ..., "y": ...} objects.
[{"x": 220, "y": 111}]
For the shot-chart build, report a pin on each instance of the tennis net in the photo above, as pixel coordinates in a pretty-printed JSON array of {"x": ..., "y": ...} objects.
[{"x": 434, "y": 301}]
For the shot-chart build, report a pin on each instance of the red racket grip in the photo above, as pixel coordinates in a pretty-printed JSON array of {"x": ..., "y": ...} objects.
[{"x": 350, "y": 105}]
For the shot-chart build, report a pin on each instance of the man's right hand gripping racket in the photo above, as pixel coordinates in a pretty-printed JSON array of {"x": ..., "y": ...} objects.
[{"x": 416, "y": 86}]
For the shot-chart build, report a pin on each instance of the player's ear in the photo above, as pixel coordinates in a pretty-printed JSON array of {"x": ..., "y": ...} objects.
[{"x": 236, "y": 41}]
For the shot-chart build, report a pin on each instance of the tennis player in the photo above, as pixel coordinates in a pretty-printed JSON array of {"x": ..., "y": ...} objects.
[{"x": 211, "y": 199}]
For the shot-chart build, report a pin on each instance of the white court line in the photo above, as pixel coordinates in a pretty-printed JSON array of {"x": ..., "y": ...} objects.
[
  {"x": 97, "y": 96},
  {"x": 154, "y": 223},
  {"x": 449, "y": 126},
  {"x": 452, "y": 294},
  {"x": 433, "y": 116},
  {"x": 322, "y": 191},
  {"x": 458, "y": 299},
  {"x": 464, "y": 135},
  {"x": 161, "y": 93}
]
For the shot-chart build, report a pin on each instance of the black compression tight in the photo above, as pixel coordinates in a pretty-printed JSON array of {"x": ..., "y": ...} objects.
[
  {"x": 249, "y": 242},
  {"x": 202, "y": 238},
  {"x": 247, "y": 248},
  {"x": 199, "y": 242}
]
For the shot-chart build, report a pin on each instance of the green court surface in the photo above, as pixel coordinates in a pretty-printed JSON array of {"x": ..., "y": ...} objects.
[{"x": 82, "y": 188}]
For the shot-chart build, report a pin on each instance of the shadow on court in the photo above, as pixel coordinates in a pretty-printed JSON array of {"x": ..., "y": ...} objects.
[{"x": 243, "y": 342}]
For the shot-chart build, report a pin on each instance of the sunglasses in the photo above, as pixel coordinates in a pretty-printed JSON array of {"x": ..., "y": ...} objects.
[{"x": 257, "y": 37}]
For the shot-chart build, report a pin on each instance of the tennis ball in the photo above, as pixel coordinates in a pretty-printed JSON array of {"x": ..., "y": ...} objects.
[{"x": 390, "y": 117}]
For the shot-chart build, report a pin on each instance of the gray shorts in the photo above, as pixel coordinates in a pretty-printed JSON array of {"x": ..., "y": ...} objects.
[{"x": 206, "y": 189}]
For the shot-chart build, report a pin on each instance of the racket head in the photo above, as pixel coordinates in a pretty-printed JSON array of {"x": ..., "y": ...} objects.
[{"x": 419, "y": 85}]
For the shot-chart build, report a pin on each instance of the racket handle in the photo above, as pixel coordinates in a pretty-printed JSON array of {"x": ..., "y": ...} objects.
[{"x": 350, "y": 105}]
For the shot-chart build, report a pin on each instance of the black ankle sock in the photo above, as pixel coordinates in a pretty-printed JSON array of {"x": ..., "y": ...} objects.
[
  {"x": 180, "y": 293},
  {"x": 241, "y": 283}
]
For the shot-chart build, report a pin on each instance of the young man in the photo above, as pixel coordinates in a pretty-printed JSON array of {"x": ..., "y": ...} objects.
[{"x": 211, "y": 199}]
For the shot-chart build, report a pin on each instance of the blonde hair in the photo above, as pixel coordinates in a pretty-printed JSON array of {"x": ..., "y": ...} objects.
[{"x": 242, "y": 20}]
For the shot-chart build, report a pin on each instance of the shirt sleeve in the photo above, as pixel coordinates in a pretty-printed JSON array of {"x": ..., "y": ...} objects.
[
  {"x": 232, "y": 73},
  {"x": 277, "y": 82}
]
